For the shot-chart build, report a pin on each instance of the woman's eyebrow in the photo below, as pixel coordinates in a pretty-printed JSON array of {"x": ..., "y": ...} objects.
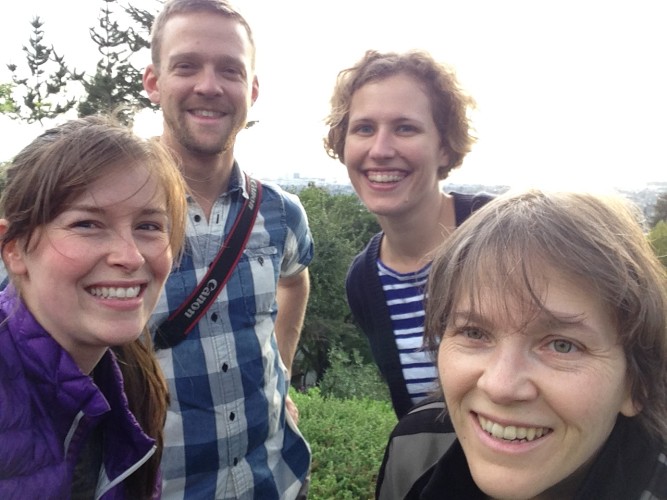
[
  {"x": 545, "y": 319},
  {"x": 96, "y": 209},
  {"x": 562, "y": 321},
  {"x": 468, "y": 316}
]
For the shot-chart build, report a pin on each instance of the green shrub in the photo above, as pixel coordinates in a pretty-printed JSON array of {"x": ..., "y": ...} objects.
[
  {"x": 658, "y": 238},
  {"x": 349, "y": 377},
  {"x": 347, "y": 439}
]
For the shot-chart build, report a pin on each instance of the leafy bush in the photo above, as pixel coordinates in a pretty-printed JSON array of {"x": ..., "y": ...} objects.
[
  {"x": 658, "y": 238},
  {"x": 341, "y": 226},
  {"x": 660, "y": 210},
  {"x": 347, "y": 439},
  {"x": 348, "y": 376}
]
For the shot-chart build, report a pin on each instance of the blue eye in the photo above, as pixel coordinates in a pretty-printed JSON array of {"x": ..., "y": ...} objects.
[
  {"x": 150, "y": 226},
  {"x": 232, "y": 73},
  {"x": 563, "y": 346},
  {"x": 473, "y": 333},
  {"x": 184, "y": 68},
  {"x": 363, "y": 130},
  {"x": 89, "y": 224},
  {"x": 406, "y": 129}
]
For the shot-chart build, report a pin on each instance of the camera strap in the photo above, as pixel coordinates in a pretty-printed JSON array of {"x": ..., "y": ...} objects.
[{"x": 176, "y": 327}]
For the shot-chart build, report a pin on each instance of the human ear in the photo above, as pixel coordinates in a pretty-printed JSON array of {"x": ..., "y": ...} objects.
[
  {"x": 255, "y": 90},
  {"x": 151, "y": 84},
  {"x": 12, "y": 253},
  {"x": 444, "y": 160},
  {"x": 629, "y": 407}
]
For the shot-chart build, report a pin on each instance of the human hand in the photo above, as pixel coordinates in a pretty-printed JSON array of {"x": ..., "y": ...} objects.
[{"x": 292, "y": 409}]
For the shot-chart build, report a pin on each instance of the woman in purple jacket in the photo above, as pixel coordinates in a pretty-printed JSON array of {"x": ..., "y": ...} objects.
[{"x": 92, "y": 218}]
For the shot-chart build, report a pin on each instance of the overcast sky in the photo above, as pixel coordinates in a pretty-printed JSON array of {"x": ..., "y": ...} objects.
[{"x": 570, "y": 93}]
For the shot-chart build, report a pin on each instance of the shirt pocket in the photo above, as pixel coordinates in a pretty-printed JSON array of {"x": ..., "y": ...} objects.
[{"x": 259, "y": 279}]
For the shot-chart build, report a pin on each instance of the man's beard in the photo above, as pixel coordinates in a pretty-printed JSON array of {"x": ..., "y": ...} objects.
[
  {"x": 200, "y": 149},
  {"x": 189, "y": 141}
]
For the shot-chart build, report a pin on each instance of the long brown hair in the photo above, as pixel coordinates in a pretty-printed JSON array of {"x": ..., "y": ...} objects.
[
  {"x": 148, "y": 399},
  {"x": 57, "y": 167}
]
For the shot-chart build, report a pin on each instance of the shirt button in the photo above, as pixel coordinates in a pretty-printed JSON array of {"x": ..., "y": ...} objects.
[
  {"x": 225, "y": 367},
  {"x": 197, "y": 218},
  {"x": 261, "y": 261},
  {"x": 232, "y": 416},
  {"x": 214, "y": 317}
]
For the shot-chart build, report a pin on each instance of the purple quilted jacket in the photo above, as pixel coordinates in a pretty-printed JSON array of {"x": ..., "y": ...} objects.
[{"x": 48, "y": 408}]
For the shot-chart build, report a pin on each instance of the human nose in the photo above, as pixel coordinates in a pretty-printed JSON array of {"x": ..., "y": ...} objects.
[
  {"x": 124, "y": 252},
  {"x": 208, "y": 83},
  {"x": 383, "y": 145},
  {"x": 508, "y": 377}
]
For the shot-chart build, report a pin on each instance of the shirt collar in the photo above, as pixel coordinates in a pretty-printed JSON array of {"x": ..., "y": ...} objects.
[{"x": 237, "y": 181}]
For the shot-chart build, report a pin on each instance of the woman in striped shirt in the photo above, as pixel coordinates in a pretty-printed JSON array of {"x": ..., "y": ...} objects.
[{"x": 398, "y": 122}]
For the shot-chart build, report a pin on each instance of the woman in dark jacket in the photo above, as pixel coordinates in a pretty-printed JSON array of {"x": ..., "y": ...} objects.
[{"x": 547, "y": 316}]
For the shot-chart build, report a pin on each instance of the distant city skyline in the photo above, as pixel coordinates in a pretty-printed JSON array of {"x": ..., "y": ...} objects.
[{"x": 570, "y": 93}]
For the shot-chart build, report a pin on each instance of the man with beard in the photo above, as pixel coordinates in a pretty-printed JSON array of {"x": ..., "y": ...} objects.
[{"x": 231, "y": 427}]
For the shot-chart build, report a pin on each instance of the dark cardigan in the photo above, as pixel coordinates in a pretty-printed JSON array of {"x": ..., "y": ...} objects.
[{"x": 369, "y": 306}]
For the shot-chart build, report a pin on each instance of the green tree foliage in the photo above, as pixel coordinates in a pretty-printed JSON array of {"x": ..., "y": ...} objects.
[
  {"x": 658, "y": 238},
  {"x": 116, "y": 81},
  {"x": 3, "y": 177},
  {"x": 341, "y": 226},
  {"x": 350, "y": 377},
  {"x": 660, "y": 209},
  {"x": 7, "y": 103},
  {"x": 348, "y": 439},
  {"x": 46, "y": 82},
  {"x": 50, "y": 88}
]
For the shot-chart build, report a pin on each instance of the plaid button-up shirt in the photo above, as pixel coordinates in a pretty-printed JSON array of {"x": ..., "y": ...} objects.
[{"x": 227, "y": 435}]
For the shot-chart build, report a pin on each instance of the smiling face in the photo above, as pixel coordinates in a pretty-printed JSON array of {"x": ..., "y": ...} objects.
[
  {"x": 94, "y": 273},
  {"x": 533, "y": 398},
  {"x": 205, "y": 83},
  {"x": 392, "y": 146}
]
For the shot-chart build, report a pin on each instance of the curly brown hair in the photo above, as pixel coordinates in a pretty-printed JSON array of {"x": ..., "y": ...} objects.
[{"x": 450, "y": 104}]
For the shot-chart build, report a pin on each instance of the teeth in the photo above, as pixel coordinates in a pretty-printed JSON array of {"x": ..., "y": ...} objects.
[
  {"x": 511, "y": 433},
  {"x": 384, "y": 177},
  {"x": 207, "y": 113},
  {"x": 115, "y": 292}
]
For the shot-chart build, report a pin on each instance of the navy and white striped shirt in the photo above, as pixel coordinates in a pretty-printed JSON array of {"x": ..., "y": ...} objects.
[{"x": 405, "y": 298}]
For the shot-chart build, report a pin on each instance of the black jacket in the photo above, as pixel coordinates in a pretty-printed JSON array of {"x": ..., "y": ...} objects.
[{"x": 629, "y": 467}]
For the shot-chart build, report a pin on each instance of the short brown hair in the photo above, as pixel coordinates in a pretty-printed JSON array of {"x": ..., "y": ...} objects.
[
  {"x": 449, "y": 103},
  {"x": 176, "y": 7},
  {"x": 597, "y": 239}
]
